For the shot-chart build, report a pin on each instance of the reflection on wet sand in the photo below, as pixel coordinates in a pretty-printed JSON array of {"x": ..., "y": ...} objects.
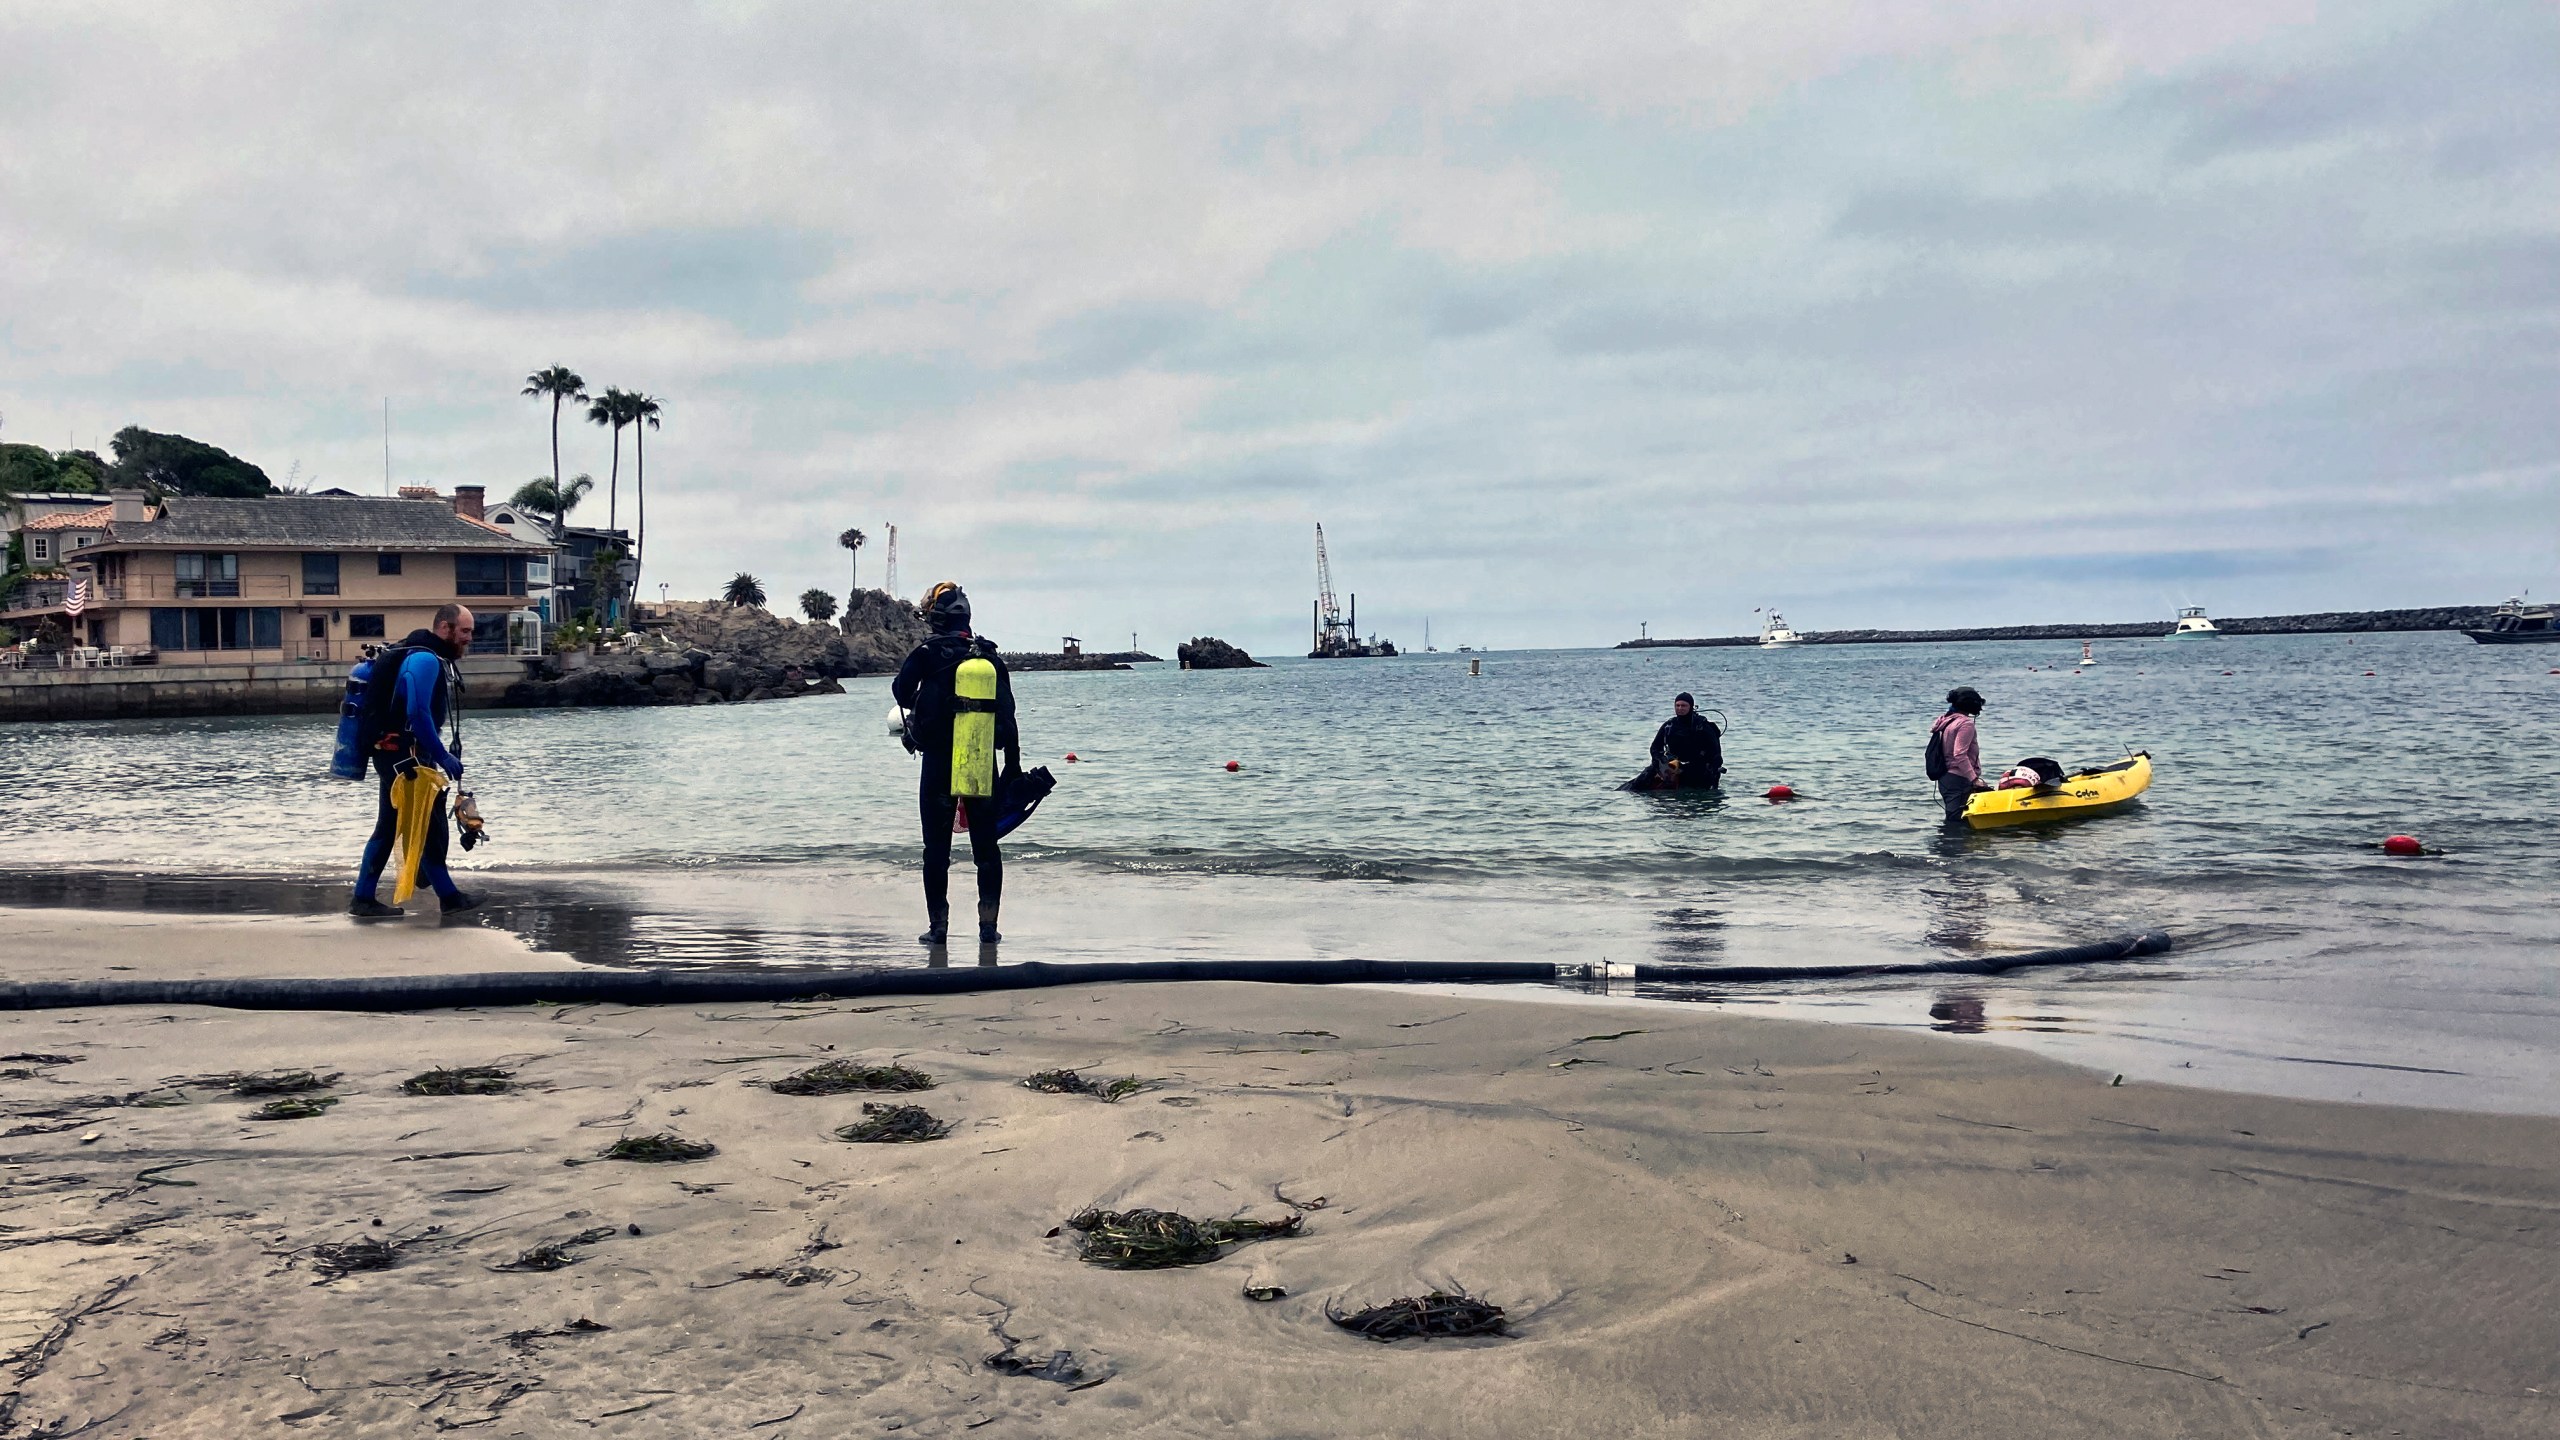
[{"x": 586, "y": 923}]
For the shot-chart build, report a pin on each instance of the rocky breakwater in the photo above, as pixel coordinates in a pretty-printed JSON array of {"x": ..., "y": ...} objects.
[
  {"x": 1051, "y": 660},
  {"x": 1208, "y": 653},
  {"x": 704, "y": 654},
  {"x": 2331, "y": 622}
]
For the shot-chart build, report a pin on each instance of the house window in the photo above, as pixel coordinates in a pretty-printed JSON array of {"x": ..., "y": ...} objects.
[
  {"x": 203, "y": 576},
  {"x": 319, "y": 574},
  {"x": 386, "y": 564},
  {"x": 39, "y": 548},
  {"x": 217, "y": 629},
  {"x": 364, "y": 627},
  {"x": 83, "y": 541},
  {"x": 319, "y": 627},
  {"x": 488, "y": 574}
]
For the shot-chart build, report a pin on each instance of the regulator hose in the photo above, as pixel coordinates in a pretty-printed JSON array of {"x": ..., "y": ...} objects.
[{"x": 689, "y": 987}]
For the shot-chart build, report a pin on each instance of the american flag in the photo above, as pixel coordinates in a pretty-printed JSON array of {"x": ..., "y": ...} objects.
[{"x": 77, "y": 599}]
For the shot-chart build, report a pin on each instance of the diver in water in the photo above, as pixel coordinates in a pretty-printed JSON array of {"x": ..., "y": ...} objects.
[
  {"x": 419, "y": 689},
  {"x": 1955, "y": 752},
  {"x": 1688, "y": 751},
  {"x": 957, "y": 732}
]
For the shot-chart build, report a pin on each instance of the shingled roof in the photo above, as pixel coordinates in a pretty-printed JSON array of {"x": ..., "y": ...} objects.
[{"x": 317, "y": 522}]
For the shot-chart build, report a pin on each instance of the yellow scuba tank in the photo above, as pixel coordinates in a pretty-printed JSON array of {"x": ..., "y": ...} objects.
[{"x": 973, "y": 729}]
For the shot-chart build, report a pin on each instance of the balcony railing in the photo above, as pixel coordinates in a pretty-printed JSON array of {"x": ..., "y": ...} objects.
[{"x": 49, "y": 594}]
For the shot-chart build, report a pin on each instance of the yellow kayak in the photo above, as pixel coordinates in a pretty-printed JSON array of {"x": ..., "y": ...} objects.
[{"x": 2090, "y": 792}]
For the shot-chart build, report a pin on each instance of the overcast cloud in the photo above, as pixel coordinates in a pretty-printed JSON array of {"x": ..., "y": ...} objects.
[{"x": 1560, "y": 318}]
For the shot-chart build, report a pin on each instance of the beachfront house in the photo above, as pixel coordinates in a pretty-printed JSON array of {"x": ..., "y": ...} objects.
[
  {"x": 219, "y": 581},
  {"x": 38, "y": 505},
  {"x": 579, "y": 574}
]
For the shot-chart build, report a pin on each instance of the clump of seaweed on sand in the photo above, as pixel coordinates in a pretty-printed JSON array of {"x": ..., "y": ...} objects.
[
  {"x": 1161, "y": 1239},
  {"x": 554, "y": 1254},
  {"x": 1070, "y": 1082},
  {"x": 338, "y": 1259},
  {"x": 894, "y": 1125},
  {"x": 659, "y": 1149},
  {"x": 294, "y": 1107},
  {"x": 847, "y": 1077},
  {"x": 460, "y": 1080},
  {"x": 335, "y": 1261},
  {"x": 1438, "y": 1315},
  {"x": 249, "y": 1085}
]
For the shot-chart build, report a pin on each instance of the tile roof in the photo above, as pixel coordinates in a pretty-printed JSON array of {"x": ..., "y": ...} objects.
[
  {"x": 318, "y": 522},
  {"x": 73, "y": 520}
]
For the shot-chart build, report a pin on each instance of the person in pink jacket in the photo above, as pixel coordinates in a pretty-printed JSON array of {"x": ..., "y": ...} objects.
[{"x": 1952, "y": 739}]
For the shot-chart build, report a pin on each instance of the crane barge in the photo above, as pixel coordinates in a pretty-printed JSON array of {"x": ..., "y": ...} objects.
[{"x": 1338, "y": 638}]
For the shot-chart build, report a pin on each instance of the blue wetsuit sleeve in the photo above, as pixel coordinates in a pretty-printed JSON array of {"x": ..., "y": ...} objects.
[{"x": 418, "y": 677}]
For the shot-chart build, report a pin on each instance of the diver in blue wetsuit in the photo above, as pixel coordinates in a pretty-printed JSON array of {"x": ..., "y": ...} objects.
[{"x": 419, "y": 691}]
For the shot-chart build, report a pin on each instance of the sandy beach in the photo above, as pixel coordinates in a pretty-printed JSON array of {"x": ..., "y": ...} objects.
[{"x": 1697, "y": 1224}]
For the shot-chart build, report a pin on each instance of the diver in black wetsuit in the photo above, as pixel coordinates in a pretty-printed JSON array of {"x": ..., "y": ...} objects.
[
  {"x": 1688, "y": 751},
  {"x": 924, "y": 690}
]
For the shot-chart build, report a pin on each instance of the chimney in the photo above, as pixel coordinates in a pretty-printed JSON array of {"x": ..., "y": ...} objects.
[
  {"x": 129, "y": 507},
  {"x": 466, "y": 501}
]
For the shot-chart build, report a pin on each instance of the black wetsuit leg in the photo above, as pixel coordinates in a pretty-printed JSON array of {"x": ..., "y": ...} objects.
[{"x": 933, "y": 811}]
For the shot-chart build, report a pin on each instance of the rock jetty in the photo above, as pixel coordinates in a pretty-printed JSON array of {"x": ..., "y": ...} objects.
[
  {"x": 1050, "y": 660},
  {"x": 2327, "y": 622},
  {"x": 1208, "y": 653},
  {"x": 704, "y": 652}
]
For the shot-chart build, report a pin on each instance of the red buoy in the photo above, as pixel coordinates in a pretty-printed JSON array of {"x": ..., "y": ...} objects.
[
  {"x": 1071, "y": 757},
  {"x": 2403, "y": 845},
  {"x": 2368, "y": 674},
  {"x": 1781, "y": 792},
  {"x": 2226, "y": 672},
  {"x": 1232, "y": 767}
]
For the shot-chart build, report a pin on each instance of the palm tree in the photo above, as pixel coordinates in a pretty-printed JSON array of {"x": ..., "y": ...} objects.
[
  {"x": 818, "y": 605},
  {"x": 552, "y": 498},
  {"x": 743, "y": 591},
  {"x": 560, "y": 383},
  {"x": 612, "y": 408},
  {"x": 852, "y": 541},
  {"x": 644, "y": 418}
]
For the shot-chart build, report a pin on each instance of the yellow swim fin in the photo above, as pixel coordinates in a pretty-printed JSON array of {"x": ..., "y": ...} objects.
[{"x": 413, "y": 799}]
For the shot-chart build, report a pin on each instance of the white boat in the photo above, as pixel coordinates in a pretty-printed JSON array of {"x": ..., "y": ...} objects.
[
  {"x": 1774, "y": 634},
  {"x": 2193, "y": 626}
]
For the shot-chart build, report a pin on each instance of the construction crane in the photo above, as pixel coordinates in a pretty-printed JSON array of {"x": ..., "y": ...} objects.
[
  {"x": 1329, "y": 623},
  {"x": 1338, "y": 638}
]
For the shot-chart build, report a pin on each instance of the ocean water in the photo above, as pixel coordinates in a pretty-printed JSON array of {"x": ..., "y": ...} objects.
[{"x": 1407, "y": 809}]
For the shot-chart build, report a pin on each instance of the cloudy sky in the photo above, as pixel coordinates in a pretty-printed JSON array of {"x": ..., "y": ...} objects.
[{"x": 1560, "y": 318}]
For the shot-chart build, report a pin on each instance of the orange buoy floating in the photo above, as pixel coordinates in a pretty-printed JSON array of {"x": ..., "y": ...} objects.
[
  {"x": 2403, "y": 845},
  {"x": 1781, "y": 792},
  {"x": 1071, "y": 757},
  {"x": 1232, "y": 767}
]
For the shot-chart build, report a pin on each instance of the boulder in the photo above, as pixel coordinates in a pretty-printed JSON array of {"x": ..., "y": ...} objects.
[
  {"x": 879, "y": 629},
  {"x": 1208, "y": 653}
]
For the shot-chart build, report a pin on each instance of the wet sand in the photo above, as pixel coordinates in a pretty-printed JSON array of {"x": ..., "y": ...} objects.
[{"x": 1699, "y": 1223}]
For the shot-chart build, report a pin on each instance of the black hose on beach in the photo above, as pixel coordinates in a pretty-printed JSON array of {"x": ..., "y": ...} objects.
[{"x": 691, "y": 987}]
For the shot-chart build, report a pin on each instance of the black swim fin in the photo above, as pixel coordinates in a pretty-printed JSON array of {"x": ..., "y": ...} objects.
[{"x": 1019, "y": 793}]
